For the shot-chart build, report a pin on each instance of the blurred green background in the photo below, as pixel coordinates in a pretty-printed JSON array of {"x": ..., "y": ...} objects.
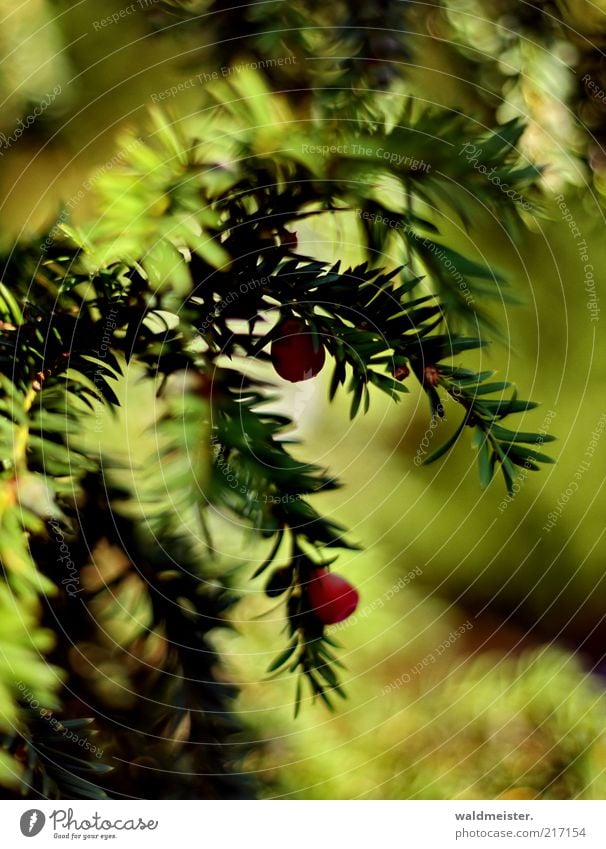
[{"x": 469, "y": 660}]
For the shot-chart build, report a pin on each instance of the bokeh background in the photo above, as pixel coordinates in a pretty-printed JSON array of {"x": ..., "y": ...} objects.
[{"x": 475, "y": 661}]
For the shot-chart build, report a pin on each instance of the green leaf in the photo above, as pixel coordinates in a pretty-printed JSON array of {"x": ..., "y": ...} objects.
[
  {"x": 357, "y": 399},
  {"x": 488, "y": 388},
  {"x": 327, "y": 673},
  {"x": 508, "y": 407},
  {"x": 520, "y": 454},
  {"x": 507, "y": 468},
  {"x": 271, "y": 556},
  {"x": 464, "y": 265},
  {"x": 298, "y": 689}
]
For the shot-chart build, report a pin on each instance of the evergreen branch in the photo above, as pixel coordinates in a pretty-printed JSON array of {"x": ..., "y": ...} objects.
[{"x": 494, "y": 443}]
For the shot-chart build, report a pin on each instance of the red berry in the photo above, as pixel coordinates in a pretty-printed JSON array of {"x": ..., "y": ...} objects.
[
  {"x": 292, "y": 351},
  {"x": 331, "y": 597}
]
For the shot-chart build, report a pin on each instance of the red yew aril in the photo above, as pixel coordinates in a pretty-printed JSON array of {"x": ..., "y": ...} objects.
[
  {"x": 331, "y": 598},
  {"x": 292, "y": 351}
]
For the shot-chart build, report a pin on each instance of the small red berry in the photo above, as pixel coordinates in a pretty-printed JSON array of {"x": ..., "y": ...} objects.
[
  {"x": 292, "y": 351},
  {"x": 401, "y": 372},
  {"x": 331, "y": 597}
]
